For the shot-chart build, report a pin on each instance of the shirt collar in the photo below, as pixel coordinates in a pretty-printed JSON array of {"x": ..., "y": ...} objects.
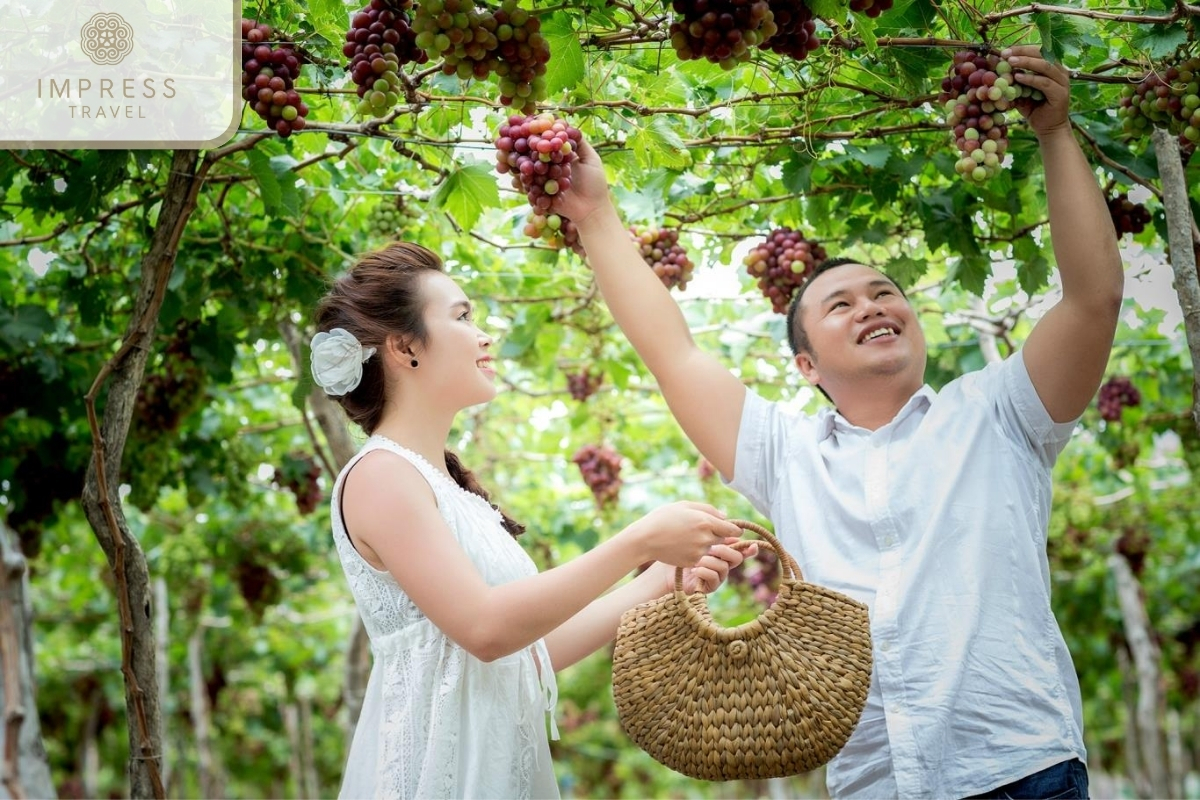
[{"x": 829, "y": 420}]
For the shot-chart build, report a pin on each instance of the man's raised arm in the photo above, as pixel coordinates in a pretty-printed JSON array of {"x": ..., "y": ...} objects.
[
  {"x": 703, "y": 395},
  {"x": 1067, "y": 351}
]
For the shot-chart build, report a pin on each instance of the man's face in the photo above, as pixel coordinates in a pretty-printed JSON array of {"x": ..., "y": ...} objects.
[{"x": 859, "y": 327}]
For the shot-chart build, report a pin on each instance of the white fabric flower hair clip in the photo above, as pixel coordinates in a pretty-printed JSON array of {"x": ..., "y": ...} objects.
[{"x": 337, "y": 361}]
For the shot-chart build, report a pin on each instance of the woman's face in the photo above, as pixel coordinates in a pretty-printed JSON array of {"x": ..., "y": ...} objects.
[{"x": 454, "y": 360}]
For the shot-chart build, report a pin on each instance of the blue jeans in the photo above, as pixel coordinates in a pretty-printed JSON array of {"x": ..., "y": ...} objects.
[{"x": 1068, "y": 780}]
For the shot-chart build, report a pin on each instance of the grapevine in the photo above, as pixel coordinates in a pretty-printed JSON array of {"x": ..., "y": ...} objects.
[
  {"x": 380, "y": 40},
  {"x": 781, "y": 264},
  {"x": 601, "y": 470},
  {"x": 976, "y": 94},
  {"x": 660, "y": 249},
  {"x": 268, "y": 75}
]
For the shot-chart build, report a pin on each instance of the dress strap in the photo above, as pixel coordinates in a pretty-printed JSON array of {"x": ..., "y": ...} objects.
[{"x": 547, "y": 684}]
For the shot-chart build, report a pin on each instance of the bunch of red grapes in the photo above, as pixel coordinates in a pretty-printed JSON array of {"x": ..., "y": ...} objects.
[
  {"x": 268, "y": 79},
  {"x": 1170, "y": 100},
  {"x": 1116, "y": 394},
  {"x": 872, "y": 8},
  {"x": 379, "y": 42},
  {"x": 781, "y": 264},
  {"x": 1127, "y": 216},
  {"x": 661, "y": 250},
  {"x": 980, "y": 88},
  {"x": 460, "y": 33},
  {"x": 523, "y": 54},
  {"x": 299, "y": 475},
  {"x": 601, "y": 470},
  {"x": 537, "y": 151},
  {"x": 720, "y": 31},
  {"x": 762, "y": 576},
  {"x": 553, "y": 229},
  {"x": 474, "y": 42},
  {"x": 796, "y": 29},
  {"x": 583, "y": 385}
]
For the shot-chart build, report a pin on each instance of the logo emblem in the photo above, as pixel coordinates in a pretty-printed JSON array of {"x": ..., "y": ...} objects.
[{"x": 106, "y": 39}]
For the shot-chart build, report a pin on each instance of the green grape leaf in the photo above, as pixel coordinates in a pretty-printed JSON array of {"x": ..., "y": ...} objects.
[
  {"x": 26, "y": 325},
  {"x": 971, "y": 271},
  {"x": 905, "y": 271},
  {"x": 466, "y": 192},
  {"x": 1033, "y": 269},
  {"x": 656, "y": 144},
  {"x": 864, "y": 26},
  {"x": 268, "y": 183},
  {"x": 567, "y": 67},
  {"x": 1158, "y": 41},
  {"x": 329, "y": 18},
  {"x": 829, "y": 9},
  {"x": 1059, "y": 33}
]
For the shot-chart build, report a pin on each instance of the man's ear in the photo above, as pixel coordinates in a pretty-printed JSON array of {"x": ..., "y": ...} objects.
[{"x": 808, "y": 367}]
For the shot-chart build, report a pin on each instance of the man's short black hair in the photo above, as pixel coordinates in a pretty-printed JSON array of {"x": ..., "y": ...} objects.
[{"x": 797, "y": 336}]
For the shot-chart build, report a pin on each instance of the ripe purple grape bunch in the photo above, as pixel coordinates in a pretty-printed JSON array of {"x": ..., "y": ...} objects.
[
  {"x": 872, "y": 8},
  {"x": 537, "y": 151},
  {"x": 1117, "y": 393},
  {"x": 269, "y": 70},
  {"x": 976, "y": 95},
  {"x": 720, "y": 31},
  {"x": 1127, "y": 216},
  {"x": 781, "y": 264},
  {"x": 795, "y": 30},
  {"x": 583, "y": 385},
  {"x": 379, "y": 42},
  {"x": 661, "y": 250},
  {"x": 601, "y": 470}
]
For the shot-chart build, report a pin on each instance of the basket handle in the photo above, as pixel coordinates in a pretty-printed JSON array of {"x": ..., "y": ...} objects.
[{"x": 766, "y": 539}]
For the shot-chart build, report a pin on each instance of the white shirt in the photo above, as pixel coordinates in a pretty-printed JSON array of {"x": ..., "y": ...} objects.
[
  {"x": 437, "y": 722},
  {"x": 937, "y": 521}
]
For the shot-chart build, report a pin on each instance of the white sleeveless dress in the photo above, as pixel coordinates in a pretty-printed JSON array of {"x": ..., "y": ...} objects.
[{"x": 436, "y": 721}]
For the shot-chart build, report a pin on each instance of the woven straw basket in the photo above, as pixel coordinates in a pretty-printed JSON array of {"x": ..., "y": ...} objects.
[{"x": 777, "y": 696}]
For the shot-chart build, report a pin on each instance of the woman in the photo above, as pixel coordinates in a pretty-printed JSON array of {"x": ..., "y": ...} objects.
[{"x": 466, "y": 634}]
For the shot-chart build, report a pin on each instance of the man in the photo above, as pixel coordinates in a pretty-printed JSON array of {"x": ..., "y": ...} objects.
[{"x": 931, "y": 507}]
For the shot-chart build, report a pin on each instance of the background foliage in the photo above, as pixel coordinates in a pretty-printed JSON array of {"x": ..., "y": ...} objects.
[{"x": 225, "y": 474}]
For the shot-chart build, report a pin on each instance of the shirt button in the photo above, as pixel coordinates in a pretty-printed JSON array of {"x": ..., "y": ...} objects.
[
  {"x": 889, "y": 540},
  {"x": 885, "y": 646}
]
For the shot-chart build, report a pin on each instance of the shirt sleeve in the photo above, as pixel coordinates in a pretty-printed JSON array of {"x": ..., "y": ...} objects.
[
  {"x": 1023, "y": 414},
  {"x": 762, "y": 448}
]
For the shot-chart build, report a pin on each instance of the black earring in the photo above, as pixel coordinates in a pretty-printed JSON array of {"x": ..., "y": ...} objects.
[{"x": 414, "y": 363}]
